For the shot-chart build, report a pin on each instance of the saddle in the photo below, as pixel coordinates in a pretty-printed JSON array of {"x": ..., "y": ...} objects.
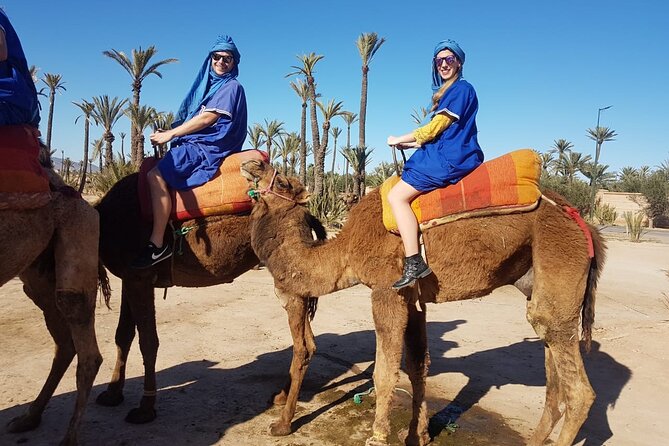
[
  {"x": 503, "y": 185},
  {"x": 225, "y": 194},
  {"x": 23, "y": 182}
]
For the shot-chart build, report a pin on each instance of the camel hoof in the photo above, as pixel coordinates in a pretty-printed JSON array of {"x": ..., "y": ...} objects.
[
  {"x": 140, "y": 416},
  {"x": 279, "y": 429},
  {"x": 375, "y": 442},
  {"x": 109, "y": 399},
  {"x": 23, "y": 423}
]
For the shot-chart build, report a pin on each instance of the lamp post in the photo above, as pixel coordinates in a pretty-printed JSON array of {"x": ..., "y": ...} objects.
[{"x": 598, "y": 146}]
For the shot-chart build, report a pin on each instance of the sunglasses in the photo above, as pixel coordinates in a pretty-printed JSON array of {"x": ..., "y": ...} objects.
[
  {"x": 450, "y": 60},
  {"x": 216, "y": 57}
]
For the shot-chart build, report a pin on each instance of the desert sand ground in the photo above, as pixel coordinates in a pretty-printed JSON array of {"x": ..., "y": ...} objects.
[{"x": 225, "y": 349}]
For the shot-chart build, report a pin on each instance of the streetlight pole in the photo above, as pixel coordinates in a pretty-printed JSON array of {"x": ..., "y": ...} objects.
[{"x": 598, "y": 146}]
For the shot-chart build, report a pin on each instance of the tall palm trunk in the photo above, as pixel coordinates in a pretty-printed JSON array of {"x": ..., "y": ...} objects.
[
  {"x": 303, "y": 144},
  {"x": 315, "y": 138},
  {"x": 49, "y": 127},
  {"x": 84, "y": 162},
  {"x": 135, "y": 154},
  {"x": 362, "y": 119},
  {"x": 334, "y": 156},
  {"x": 109, "y": 153}
]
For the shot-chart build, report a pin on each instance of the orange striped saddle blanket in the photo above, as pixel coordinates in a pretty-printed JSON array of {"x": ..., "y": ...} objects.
[
  {"x": 226, "y": 193},
  {"x": 502, "y": 185},
  {"x": 23, "y": 182}
]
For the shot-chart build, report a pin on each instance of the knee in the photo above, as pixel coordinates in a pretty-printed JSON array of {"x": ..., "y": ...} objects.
[{"x": 75, "y": 306}]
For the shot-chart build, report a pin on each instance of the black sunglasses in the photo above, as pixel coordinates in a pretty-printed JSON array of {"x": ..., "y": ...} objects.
[{"x": 216, "y": 57}]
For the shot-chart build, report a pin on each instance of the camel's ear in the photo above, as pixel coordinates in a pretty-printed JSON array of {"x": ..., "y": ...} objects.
[{"x": 302, "y": 196}]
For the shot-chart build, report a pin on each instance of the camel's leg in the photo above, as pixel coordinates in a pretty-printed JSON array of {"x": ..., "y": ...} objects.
[
  {"x": 142, "y": 306},
  {"x": 552, "y": 413},
  {"x": 304, "y": 348},
  {"x": 390, "y": 322},
  {"x": 125, "y": 334},
  {"x": 76, "y": 254},
  {"x": 553, "y": 311},
  {"x": 417, "y": 360},
  {"x": 42, "y": 293}
]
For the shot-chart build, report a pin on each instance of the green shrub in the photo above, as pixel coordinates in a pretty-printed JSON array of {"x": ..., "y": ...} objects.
[
  {"x": 328, "y": 207},
  {"x": 634, "y": 224},
  {"x": 605, "y": 214},
  {"x": 102, "y": 181}
]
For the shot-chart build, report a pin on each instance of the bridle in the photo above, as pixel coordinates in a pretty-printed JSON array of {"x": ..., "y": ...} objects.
[{"x": 255, "y": 193}]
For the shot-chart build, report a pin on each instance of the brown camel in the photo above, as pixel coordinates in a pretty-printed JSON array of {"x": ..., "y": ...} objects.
[
  {"x": 216, "y": 250},
  {"x": 53, "y": 249},
  {"x": 543, "y": 252}
]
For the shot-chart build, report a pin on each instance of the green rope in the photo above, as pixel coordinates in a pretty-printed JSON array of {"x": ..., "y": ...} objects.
[
  {"x": 357, "y": 398},
  {"x": 179, "y": 237}
]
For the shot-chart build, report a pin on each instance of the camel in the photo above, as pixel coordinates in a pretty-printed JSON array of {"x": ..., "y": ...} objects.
[
  {"x": 544, "y": 253},
  {"x": 53, "y": 249},
  {"x": 216, "y": 250}
]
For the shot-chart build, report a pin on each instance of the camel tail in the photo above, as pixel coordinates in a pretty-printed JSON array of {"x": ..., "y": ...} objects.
[
  {"x": 103, "y": 283},
  {"x": 312, "y": 306},
  {"x": 588, "y": 306}
]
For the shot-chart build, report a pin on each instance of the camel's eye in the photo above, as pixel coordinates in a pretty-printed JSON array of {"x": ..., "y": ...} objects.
[{"x": 282, "y": 183}]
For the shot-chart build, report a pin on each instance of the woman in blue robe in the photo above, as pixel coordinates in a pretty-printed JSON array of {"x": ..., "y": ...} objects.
[
  {"x": 211, "y": 124},
  {"x": 448, "y": 150},
  {"x": 18, "y": 95}
]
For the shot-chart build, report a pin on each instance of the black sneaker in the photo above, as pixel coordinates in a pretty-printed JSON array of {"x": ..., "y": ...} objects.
[
  {"x": 414, "y": 268},
  {"x": 151, "y": 255}
]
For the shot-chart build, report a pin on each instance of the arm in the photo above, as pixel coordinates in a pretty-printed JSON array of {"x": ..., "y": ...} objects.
[
  {"x": 194, "y": 124},
  {"x": 421, "y": 135}
]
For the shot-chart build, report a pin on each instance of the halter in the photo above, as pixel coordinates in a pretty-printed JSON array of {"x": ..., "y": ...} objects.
[{"x": 254, "y": 193}]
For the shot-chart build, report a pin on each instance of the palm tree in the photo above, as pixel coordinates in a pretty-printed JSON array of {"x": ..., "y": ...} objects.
[
  {"x": 336, "y": 131},
  {"x": 122, "y": 135},
  {"x": 139, "y": 68},
  {"x": 359, "y": 158},
  {"x": 381, "y": 173},
  {"x": 106, "y": 113},
  {"x": 272, "y": 130},
  {"x": 289, "y": 145},
  {"x": 87, "y": 109},
  {"x": 561, "y": 147},
  {"x": 96, "y": 151},
  {"x": 572, "y": 164},
  {"x": 329, "y": 111},
  {"x": 140, "y": 119},
  {"x": 368, "y": 44},
  {"x": 54, "y": 82},
  {"x": 162, "y": 121},
  {"x": 256, "y": 135},
  {"x": 302, "y": 90},
  {"x": 349, "y": 119},
  {"x": 599, "y": 135},
  {"x": 418, "y": 116},
  {"x": 547, "y": 162},
  {"x": 309, "y": 62}
]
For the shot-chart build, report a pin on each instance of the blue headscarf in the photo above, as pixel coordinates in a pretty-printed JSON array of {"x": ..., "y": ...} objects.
[
  {"x": 447, "y": 44},
  {"x": 207, "y": 82}
]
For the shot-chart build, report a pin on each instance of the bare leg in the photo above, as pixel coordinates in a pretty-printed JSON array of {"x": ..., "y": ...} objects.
[
  {"x": 400, "y": 198},
  {"x": 417, "y": 361},
  {"x": 161, "y": 204},
  {"x": 390, "y": 322},
  {"x": 303, "y": 350}
]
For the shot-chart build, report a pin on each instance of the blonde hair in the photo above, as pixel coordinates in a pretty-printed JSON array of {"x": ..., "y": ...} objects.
[{"x": 436, "y": 97}]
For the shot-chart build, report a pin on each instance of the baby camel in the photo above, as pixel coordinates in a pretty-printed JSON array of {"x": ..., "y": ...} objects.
[{"x": 543, "y": 252}]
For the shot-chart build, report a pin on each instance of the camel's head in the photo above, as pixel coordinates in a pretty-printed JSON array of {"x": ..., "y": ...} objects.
[{"x": 265, "y": 182}]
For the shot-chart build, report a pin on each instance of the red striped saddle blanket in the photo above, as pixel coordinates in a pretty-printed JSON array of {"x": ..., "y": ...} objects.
[
  {"x": 502, "y": 185},
  {"x": 226, "y": 193},
  {"x": 23, "y": 182}
]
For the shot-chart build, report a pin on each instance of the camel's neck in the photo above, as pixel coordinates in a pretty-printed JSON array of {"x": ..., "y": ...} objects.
[
  {"x": 282, "y": 239},
  {"x": 299, "y": 264}
]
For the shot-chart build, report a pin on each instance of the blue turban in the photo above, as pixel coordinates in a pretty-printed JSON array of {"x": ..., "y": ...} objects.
[
  {"x": 207, "y": 82},
  {"x": 447, "y": 44}
]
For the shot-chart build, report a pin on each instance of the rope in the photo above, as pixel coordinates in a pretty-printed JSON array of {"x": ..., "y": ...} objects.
[
  {"x": 179, "y": 234},
  {"x": 357, "y": 398}
]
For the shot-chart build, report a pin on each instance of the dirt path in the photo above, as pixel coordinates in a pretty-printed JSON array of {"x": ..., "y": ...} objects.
[{"x": 225, "y": 349}]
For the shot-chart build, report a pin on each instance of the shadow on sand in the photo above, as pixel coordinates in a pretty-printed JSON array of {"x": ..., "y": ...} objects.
[{"x": 199, "y": 401}]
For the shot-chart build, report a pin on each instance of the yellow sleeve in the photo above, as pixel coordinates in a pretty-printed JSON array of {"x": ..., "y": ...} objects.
[{"x": 434, "y": 128}]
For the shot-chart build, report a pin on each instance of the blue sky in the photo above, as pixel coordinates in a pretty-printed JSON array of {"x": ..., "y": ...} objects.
[{"x": 541, "y": 69}]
